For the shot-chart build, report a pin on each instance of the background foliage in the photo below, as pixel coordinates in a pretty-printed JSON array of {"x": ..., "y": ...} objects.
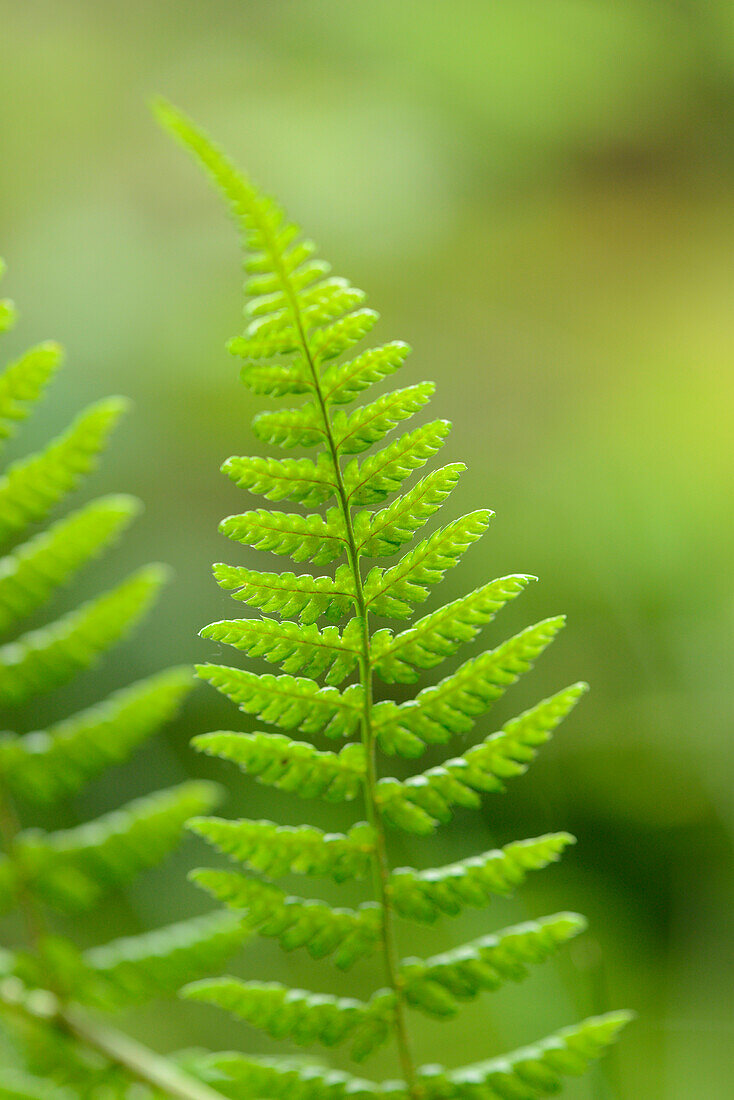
[{"x": 538, "y": 197}]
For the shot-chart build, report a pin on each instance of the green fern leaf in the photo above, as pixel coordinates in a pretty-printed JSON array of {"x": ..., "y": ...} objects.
[
  {"x": 343, "y": 382},
  {"x": 138, "y": 969},
  {"x": 302, "y": 1017},
  {"x": 440, "y": 634},
  {"x": 378, "y": 534},
  {"x": 286, "y": 594},
  {"x": 296, "y": 766},
  {"x": 438, "y": 985},
  {"x": 380, "y": 474},
  {"x": 29, "y": 575},
  {"x": 56, "y": 762},
  {"x": 371, "y": 423},
  {"x": 423, "y": 801},
  {"x": 310, "y": 483},
  {"x": 23, "y": 382},
  {"x": 273, "y": 380},
  {"x": 244, "y": 1078},
  {"x": 328, "y": 653},
  {"x": 532, "y": 1072},
  {"x": 49, "y": 657},
  {"x": 426, "y": 895},
  {"x": 347, "y": 934},
  {"x": 289, "y": 427},
  {"x": 342, "y": 335},
  {"x": 303, "y": 538},
  {"x": 32, "y": 486},
  {"x": 71, "y": 869},
  {"x": 391, "y": 592},
  {"x": 453, "y": 705},
  {"x": 278, "y": 850},
  {"x": 289, "y": 701}
]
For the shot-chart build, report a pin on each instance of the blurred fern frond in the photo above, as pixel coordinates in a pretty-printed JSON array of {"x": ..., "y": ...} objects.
[{"x": 47, "y": 874}]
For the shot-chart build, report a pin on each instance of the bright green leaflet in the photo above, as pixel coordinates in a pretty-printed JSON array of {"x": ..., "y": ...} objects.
[{"x": 302, "y": 326}]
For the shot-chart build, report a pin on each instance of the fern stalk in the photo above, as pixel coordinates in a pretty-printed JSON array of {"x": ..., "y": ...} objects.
[{"x": 379, "y": 858}]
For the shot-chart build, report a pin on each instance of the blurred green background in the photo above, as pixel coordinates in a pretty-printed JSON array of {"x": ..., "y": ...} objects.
[{"x": 539, "y": 197}]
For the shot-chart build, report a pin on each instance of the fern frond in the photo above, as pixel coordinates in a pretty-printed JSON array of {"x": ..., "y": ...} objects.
[
  {"x": 278, "y": 850},
  {"x": 531, "y": 1072},
  {"x": 426, "y": 895},
  {"x": 23, "y": 382},
  {"x": 301, "y": 479},
  {"x": 452, "y": 706},
  {"x": 347, "y": 934},
  {"x": 72, "y": 868},
  {"x": 328, "y": 653},
  {"x": 29, "y": 575},
  {"x": 438, "y": 985},
  {"x": 52, "y": 655},
  {"x": 54, "y": 763},
  {"x": 289, "y": 701},
  {"x": 391, "y": 592},
  {"x": 302, "y": 1017},
  {"x": 285, "y": 594},
  {"x": 302, "y": 538},
  {"x": 439, "y": 634},
  {"x": 138, "y": 969},
  {"x": 296, "y": 766},
  {"x": 423, "y": 801},
  {"x": 300, "y": 320},
  {"x": 32, "y": 486}
]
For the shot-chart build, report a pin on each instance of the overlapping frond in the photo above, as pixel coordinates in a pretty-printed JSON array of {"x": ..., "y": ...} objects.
[{"x": 302, "y": 325}]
